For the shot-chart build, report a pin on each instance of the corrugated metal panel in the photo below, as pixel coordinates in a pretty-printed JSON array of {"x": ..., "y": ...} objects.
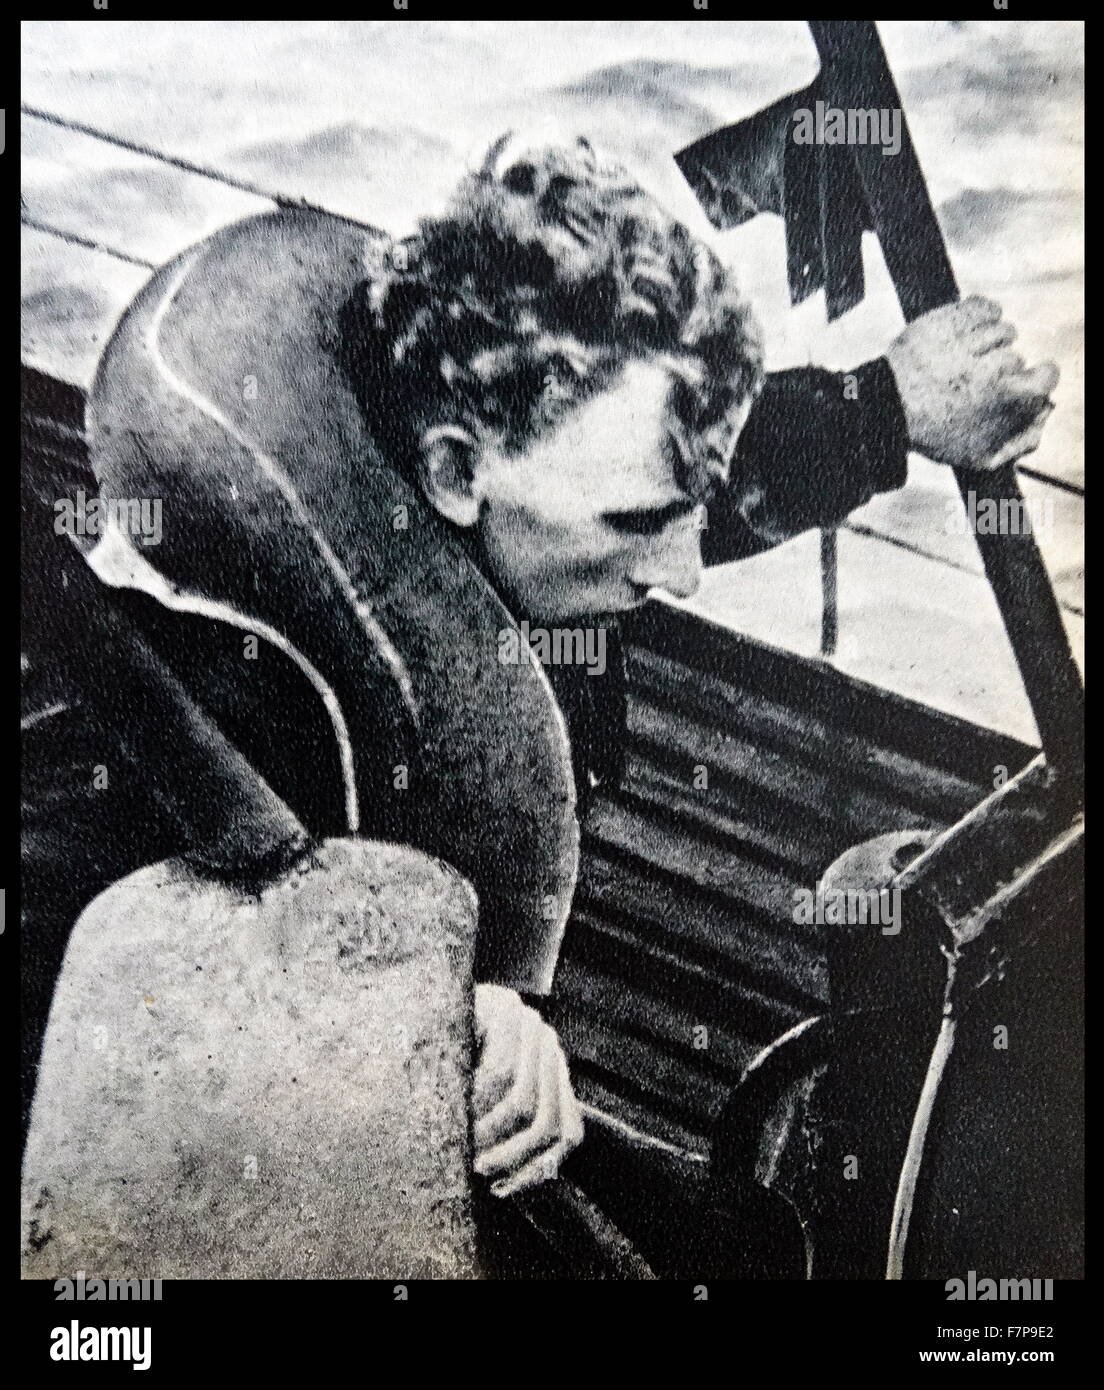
[{"x": 684, "y": 915}]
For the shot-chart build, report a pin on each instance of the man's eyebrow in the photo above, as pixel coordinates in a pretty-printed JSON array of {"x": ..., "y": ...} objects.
[{"x": 651, "y": 518}]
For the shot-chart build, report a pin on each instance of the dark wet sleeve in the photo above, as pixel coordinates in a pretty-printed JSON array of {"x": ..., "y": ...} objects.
[{"x": 816, "y": 446}]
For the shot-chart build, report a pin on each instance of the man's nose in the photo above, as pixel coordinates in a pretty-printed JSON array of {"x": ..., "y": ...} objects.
[{"x": 672, "y": 560}]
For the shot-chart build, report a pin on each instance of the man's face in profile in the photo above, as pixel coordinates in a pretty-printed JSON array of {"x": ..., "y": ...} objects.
[{"x": 591, "y": 516}]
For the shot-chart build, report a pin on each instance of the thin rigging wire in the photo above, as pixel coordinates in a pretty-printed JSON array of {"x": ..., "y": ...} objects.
[
  {"x": 861, "y": 529},
  {"x": 186, "y": 165},
  {"x": 39, "y": 226}
]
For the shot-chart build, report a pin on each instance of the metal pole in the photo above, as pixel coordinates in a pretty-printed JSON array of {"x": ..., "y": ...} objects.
[{"x": 856, "y": 75}]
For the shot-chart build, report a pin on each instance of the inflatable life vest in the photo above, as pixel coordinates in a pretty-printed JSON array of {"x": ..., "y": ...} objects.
[{"x": 220, "y": 394}]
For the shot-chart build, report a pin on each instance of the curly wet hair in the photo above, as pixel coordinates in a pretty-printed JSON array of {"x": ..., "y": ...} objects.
[{"x": 540, "y": 282}]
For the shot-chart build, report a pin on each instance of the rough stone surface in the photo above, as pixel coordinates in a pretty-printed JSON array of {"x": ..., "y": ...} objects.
[{"x": 267, "y": 1085}]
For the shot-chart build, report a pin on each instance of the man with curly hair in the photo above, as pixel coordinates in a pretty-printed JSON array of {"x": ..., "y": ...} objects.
[{"x": 575, "y": 384}]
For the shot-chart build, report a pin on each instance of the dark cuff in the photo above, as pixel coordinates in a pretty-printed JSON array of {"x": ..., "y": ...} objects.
[{"x": 883, "y": 432}]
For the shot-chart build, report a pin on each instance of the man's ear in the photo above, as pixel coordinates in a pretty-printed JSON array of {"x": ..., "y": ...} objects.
[{"x": 449, "y": 469}]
